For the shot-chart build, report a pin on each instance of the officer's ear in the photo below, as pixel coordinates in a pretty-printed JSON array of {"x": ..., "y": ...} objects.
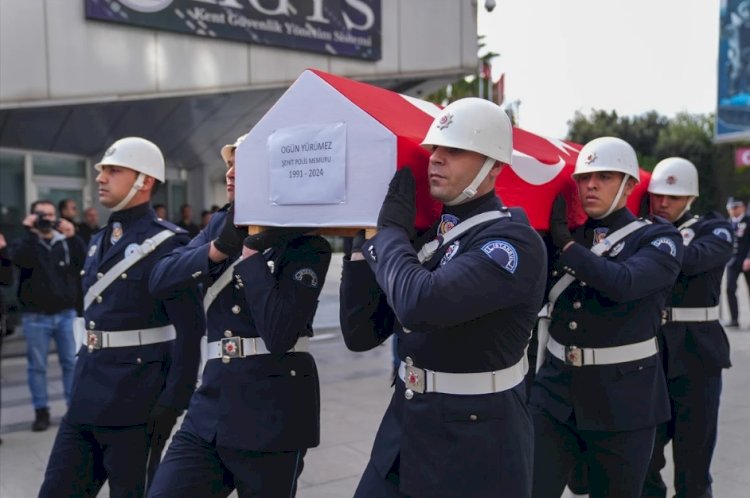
[{"x": 148, "y": 184}]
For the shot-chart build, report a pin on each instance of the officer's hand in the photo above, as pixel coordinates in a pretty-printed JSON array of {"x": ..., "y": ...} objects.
[
  {"x": 161, "y": 420},
  {"x": 274, "y": 237},
  {"x": 398, "y": 208},
  {"x": 746, "y": 265},
  {"x": 230, "y": 239},
  {"x": 558, "y": 224},
  {"x": 353, "y": 246}
]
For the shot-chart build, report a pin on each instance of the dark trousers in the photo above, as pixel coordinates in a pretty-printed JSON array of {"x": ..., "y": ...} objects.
[
  {"x": 196, "y": 467},
  {"x": 733, "y": 274},
  {"x": 84, "y": 457},
  {"x": 692, "y": 430},
  {"x": 617, "y": 461}
]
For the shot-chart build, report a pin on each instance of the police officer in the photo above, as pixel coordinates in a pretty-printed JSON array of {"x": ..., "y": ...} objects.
[
  {"x": 695, "y": 348},
  {"x": 740, "y": 260},
  {"x": 136, "y": 370},
  {"x": 257, "y": 409},
  {"x": 600, "y": 391},
  {"x": 462, "y": 307}
]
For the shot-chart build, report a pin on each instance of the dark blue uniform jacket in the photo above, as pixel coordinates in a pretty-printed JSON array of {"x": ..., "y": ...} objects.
[
  {"x": 697, "y": 347},
  {"x": 266, "y": 402},
  {"x": 120, "y": 386},
  {"x": 616, "y": 300},
  {"x": 470, "y": 308}
]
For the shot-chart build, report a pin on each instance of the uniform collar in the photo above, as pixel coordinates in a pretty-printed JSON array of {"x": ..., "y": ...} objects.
[
  {"x": 683, "y": 219},
  {"x": 126, "y": 216},
  {"x": 618, "y": 219},
  {"x": 487, "y": 202}
]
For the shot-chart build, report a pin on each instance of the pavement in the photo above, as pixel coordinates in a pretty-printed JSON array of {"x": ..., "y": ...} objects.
[{"x": 355, "y": 391}]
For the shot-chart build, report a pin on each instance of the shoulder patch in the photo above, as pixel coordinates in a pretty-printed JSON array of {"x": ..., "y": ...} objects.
[
  {"x": 688, "y": 234},
  {"x": 723, "y": 234},
  {"x": 665, "y": 244},
  {"x": 450, "y": 252},
  {"x": 307, "y": 277},
  {"x": 502, "y": 253}
]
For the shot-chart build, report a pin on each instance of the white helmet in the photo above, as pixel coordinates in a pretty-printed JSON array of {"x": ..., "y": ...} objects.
[
  {"x": 226, "y": 151},
  {"x": 607, "y": 154},
  {"x": 137, "y": 154},
  {"x": 674, "y": 176},
  {"x": 477, "y": 125},
  {"x": 473, "y": 124}
]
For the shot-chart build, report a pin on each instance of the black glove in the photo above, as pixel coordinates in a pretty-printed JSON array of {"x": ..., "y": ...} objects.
[
  {"x": 274, "y": 237},
  {"x": 354, "y": 244},
  {"x": 399, "y": 209},
  {"x": 558, "y": 224},
  {"x": 161, "y": 420},
  {"x": 230, "y": 239}
]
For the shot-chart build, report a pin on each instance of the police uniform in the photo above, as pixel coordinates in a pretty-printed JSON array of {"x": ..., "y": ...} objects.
[
  {"x": 457, "y": 424},
  {"x": 590, "y": 407},
  {"x": 103, "y": 436},
  {"x": 695, "y": 350},
  {"x": 257, "y": 409},
  {"x": 741, "y": 251}
]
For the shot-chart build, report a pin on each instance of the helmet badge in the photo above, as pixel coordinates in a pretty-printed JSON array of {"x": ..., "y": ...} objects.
[
  {"x": 110, "y": 151},
  {"x": 590, "y": 158},
  {"x": 671, "y": 180},
  {"x": 445, "y": 121}
]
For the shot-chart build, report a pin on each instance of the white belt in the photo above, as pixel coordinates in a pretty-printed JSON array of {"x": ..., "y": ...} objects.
[
  {"x": 422, "y": 380},
  {"x": 692, "y": 314},
  {"x": 240, "y": 347},
  {"x": 98, "y": 339},
  {"x": 579, "y": 357}
]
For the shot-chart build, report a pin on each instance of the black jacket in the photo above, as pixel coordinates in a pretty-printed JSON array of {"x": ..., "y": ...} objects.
[{"x": 49, "y": 276}]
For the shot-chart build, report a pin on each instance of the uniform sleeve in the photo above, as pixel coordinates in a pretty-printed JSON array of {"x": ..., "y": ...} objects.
[
  {"x": 365, "y": 317},
  {"x": 184, "y": 266},
  {"x": 185, "y": 311},
  {"x": 713, "y": 249},
  {"x": 470, "y": 285},
  {"x": 283, "y": 305},
  {"x": 646, "y": 271}
]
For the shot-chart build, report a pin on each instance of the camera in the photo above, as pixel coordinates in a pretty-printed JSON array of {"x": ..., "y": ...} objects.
[{"x": 42, "y": 223}]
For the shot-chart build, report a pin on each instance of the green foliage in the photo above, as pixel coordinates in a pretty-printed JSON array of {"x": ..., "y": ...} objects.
[{"x": 655, "y": 137}]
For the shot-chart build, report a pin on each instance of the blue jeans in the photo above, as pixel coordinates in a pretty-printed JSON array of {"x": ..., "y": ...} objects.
[{"x": 39, "y": 328}]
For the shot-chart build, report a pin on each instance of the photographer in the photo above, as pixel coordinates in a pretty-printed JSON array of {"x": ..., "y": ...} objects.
[{"x": 50, "y": 258}]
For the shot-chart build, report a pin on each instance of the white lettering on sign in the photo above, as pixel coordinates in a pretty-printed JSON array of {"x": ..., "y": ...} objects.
[{"x": 308, "y": 164}]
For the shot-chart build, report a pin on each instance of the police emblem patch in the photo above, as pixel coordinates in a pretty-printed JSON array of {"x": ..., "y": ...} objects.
[
  {"x": 447, "y": 221},
  {"x": 688, "y": 234},
  {"x": 450, "y": 252},
  {"x": 307, "y": 277},
  {"x": 445, "y": 121},
  {"x": 131, "y": 249},
  {"x": 502, "y": 253},
  {"x": 116, "y": 232},
  {"x": 590, "y": 158},
  {"x": 665, "y": 245},
  {"x": 723, "y": 234},
  {"x": 617, "y": 249},
  {"x": 600, "y": 233}
]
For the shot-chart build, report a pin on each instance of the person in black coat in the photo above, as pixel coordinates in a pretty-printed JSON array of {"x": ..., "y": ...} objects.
[{"x": 739, "y": 263}]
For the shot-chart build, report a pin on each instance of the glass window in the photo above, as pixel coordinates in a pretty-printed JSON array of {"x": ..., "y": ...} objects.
[
  {"x": 12, "y": 194},
  {"x": 177, "y": 197},
  {"x": 59, "y": 166}
]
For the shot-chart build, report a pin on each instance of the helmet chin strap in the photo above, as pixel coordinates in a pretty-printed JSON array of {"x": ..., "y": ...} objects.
[
  {"x": 687, "y": 208},
  {"x": 470, "y": 191},
  {"x": 137, "y": 185},
  {"x": 616, "y": 200}
]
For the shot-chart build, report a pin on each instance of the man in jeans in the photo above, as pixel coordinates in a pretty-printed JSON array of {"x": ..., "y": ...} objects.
[{"x": 50, "y": 258}]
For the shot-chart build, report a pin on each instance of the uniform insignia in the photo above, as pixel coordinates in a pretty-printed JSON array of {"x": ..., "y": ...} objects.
[
  {"x": 271, "y": 266},
  {"x": 445, "y": 121},
  {"x": 723, "y": 234},
  {"x": 110, "y": 151},
  {"x": 671, "y": 180},
  {"x": 502, "y": 253},
  {"x": 590, "y": 158},
  {"x": 447, "y": 221},
  {"x": 688, "y": 234},
  {"x": 131, "y": 249},
  {"x": 617, "y": 249},
  {"x": 665, "y": 245},
  {"x": 600, "y": 233},
  {"x": 450, "y": 252},
  {"x": 116, "y": 232},
  {"x": 740, "y": 230},
  {"x": 307, "y": 277},
  {"x": 92, "y": 250}
]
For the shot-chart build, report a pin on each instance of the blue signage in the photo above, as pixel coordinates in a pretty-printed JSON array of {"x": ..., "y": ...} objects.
[{"x": 733, "y": 107}]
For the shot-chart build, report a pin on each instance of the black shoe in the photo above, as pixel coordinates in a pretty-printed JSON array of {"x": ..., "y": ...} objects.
[
  {"x": 733, "y": 324},
  {"x": 41, "y": 422}
]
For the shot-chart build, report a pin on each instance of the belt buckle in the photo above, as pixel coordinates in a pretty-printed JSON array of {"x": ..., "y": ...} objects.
[
  {"x": 573, "y": 356},
  {"x": 93, "y": 340},
  {"x": 414, "y": 379},
  {"x": 231, "y": 347}
]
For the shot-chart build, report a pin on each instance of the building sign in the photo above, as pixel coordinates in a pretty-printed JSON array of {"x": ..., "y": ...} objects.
[
  {"x": 346, "y": 28},
  {"x": 733, "y": 107}
]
